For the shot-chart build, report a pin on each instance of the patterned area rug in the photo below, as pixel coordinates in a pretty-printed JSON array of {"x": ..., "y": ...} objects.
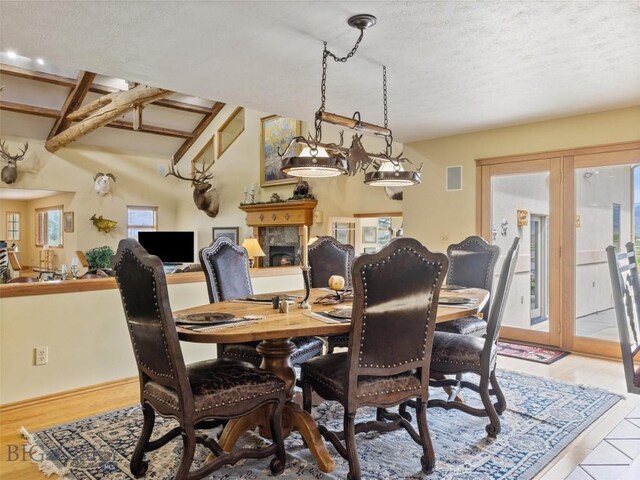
[
  {"x": 530, "y": 352},
  {"x": 543, "y": 416}
]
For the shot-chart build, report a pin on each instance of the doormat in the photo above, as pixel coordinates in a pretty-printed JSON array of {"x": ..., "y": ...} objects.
[{"x": 530, "y": 352}]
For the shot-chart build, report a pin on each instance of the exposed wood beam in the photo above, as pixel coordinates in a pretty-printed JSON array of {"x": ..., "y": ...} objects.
[
  {"x": 204, "y": 123},
  {"x": 29, "y": 109},
  {"x": 103, "y": 111},
  {"x": 119, "y": 124},
  {"x": 167, "y": 132},
  {"x": 165, "y": 102},
  {"x": 73, "y": 102},
  {"x": 39, "y": 76}
]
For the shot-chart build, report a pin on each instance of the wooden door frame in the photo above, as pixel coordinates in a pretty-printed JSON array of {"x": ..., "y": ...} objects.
[{"x": 562, "y": 203}]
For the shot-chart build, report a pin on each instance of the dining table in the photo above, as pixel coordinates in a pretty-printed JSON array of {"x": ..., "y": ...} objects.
[{"x": 257, "y": 320}]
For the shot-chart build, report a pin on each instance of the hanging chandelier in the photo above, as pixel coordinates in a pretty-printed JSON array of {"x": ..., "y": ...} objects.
[{"x": 310, "y": 157}]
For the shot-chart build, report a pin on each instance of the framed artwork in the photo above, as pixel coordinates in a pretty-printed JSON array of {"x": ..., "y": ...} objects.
[
  {"x": 230, "y": 130},
  {"x": 68, "y": 222},
  {"x": 276, "y": 133},
  {"x": 230, "y": 232},
  {"x": 369, "y": 234},
  {"x": 369, "y": 249}
]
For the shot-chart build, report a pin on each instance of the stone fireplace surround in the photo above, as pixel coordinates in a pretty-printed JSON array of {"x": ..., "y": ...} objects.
[{"x": 279, "y": 224}]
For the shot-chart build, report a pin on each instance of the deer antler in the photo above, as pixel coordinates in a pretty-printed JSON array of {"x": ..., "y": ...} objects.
[
  {"x": 7, "y": 156},
  {"x": 199, "y": 176}
]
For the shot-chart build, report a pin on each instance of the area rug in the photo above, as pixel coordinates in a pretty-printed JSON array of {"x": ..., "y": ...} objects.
[
  {"x": 543, "y": 417},
  {"x": 530, "y": 352}
]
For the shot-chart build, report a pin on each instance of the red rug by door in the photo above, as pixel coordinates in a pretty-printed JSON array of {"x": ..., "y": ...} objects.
[{"x": 530, "y": 352}]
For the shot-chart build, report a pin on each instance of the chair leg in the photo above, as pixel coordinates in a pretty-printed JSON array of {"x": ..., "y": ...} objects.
[
  {"x": 350, "y": 444},
  {"x": 188, "y": 451},
  {"x": 138, "y": 466},
  {"x": 428, "y": 459},
  {"x": 501, "y": 404},
  {"x": 493, "y": 429},
  {"x": 307, "y": 397},
  {"x": 278, "y": 462}
]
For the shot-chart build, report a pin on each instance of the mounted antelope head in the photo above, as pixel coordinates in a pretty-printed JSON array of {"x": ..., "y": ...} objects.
[
  {"x": 9, "y": 173},
  {"x": 101, "y": 183},
  {"x": 204, "y": 196}
]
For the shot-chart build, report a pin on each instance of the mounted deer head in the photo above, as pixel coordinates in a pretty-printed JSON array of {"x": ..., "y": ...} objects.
[
  {"x": 9, "y": 173},
  {"x": 204, "y": 196},
  {"x": 101, "y": 183}
]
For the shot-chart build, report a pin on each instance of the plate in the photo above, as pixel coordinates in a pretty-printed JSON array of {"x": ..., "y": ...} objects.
[
  {"x": 267, "y": 297},
  {"x": 254, "y": 317},
  {"x": 340, "y": 313},
  {"x": 207, "y": 318},
  {"x": 454, "y": 300},
  {"x": 453, "y": 288}
]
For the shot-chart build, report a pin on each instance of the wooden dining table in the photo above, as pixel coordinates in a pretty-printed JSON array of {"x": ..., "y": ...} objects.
[{"x": 274, "y": 331}]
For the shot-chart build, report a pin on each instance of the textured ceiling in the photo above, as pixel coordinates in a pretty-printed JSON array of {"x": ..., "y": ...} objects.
[{"x": 452, "y": 66}]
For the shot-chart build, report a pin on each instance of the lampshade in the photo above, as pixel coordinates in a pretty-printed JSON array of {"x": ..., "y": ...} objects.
[
  {"x": 320, "y": 165},
  {"x": 253, "y": 247},
  {"x": 391, "y": 175}
]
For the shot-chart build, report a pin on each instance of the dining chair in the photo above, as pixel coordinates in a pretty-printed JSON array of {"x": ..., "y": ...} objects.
[
  {"x": 625, "y": 287},
  {"x": 472, "y": 263},
  {"x": 226, "y": 269},
  {"x": 458, "y": 354},
  {"x": 327, "y": 257},
  {"x": 394, "y": 310},
  {"x": 198, "y": 396}
]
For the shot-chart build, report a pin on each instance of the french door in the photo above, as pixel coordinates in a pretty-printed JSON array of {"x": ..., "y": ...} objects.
[{"x": 566, "y": 207}]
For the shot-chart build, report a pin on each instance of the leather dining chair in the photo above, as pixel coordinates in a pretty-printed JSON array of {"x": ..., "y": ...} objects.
[
  {"x": 226, "y": 269},
  {"x": 625, "y": 287},
  {"x": 327, "y": 257},
  {"x": 394, "y": 311},
  {"x": 457, "y": 354},
  {"x": 472, "y": 263},
  {"x": 198, "y": 396}
]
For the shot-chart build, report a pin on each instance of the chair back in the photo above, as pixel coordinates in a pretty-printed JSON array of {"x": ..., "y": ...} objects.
[
  {"x": 499, "y": 300},
  {"x": 14, "y": 261},
  {"x": 327, "y": 257},
  {"x": 143, "y": 289},
  {"x": 22, "y": 280},
  {"x": 396, "y": 294},
  {"x": 625, "y": 287},
  {"x": 226, "y": 269},
  {"x": 472, "y": 263}
]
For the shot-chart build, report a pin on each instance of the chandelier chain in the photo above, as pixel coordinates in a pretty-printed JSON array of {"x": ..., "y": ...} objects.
[{"x": 384, "y": 95}]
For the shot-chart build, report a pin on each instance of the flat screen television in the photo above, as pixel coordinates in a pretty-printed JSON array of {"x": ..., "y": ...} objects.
[{"x": 170, "y": 247}]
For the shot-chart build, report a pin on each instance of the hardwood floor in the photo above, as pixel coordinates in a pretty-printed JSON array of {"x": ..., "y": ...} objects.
[{"x": 574, "y": 368}]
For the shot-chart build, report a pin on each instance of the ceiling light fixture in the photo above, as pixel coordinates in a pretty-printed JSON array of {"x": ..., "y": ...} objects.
[
  {"x": 12, "y": 55},
  {"x": 40, "y": 61},
  {"x": 310, "y": 157}
]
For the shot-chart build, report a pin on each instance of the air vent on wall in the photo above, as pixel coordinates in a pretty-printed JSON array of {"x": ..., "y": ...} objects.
[{"x": 454, "y": 178}]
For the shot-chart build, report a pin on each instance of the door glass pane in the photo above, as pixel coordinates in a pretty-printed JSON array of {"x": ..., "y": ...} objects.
[
  {"x": 608, "y": 209},
  {"x": 528, "y": 302}
]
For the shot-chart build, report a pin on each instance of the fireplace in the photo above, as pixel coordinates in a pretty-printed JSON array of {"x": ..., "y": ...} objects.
[{"x": 281, "y": 255}]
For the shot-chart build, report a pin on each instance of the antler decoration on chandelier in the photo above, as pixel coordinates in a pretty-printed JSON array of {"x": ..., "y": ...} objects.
[{"x": 310, "y": 157}]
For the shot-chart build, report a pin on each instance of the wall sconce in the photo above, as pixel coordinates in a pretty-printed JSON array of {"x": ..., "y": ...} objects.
[
  {"x": 504, "y": 225},
  {"x": 523, "y": 218},
  {"x": 578, "y": 221}
]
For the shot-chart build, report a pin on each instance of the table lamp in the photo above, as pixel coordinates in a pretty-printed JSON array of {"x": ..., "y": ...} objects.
[{"x": 253, "y": 249}]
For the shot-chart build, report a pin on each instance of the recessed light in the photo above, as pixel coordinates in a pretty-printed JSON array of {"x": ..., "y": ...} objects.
[
  {"x": 12, "y": 54},
  {"x": 40, "y": 61}
]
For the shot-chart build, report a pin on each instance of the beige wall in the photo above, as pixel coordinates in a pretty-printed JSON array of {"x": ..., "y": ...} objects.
[{"x": 437, "y": 217}]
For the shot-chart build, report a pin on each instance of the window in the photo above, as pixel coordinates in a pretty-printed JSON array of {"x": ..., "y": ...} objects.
[
  {"x": 141, "y": 219},
  {"x": 49, "y": 226},
  {"x": 13, "y": 226},
  {"x": 616, "y": 225}
]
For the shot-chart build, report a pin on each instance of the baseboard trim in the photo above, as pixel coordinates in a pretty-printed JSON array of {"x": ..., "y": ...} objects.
[{"x": 7, "y": 407}]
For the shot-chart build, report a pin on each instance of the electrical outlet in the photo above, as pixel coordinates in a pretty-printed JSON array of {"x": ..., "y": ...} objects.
[{"x": 42, "y": 355}]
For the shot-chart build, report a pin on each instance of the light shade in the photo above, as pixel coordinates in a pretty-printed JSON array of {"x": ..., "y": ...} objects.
[
  {"x": 392, "y": 175},
  {"x": 253, "y": 247},
  {"x": 320, "y": 165}
]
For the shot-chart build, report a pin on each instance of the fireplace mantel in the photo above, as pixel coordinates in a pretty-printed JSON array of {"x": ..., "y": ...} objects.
[
  {"x": 284, "y": 216},
  {"x": 292, "y": 213}
]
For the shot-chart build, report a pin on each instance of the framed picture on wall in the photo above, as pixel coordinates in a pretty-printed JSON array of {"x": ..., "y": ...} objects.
[
  {"x": 68, "y": 222},
  {"x": 276, "y": 133},
  {"x": 230, "y": 232},
  {"x": 369, "y": 234}
]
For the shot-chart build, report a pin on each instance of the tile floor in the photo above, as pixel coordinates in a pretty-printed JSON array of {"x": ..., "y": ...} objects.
[{"x": 617, "y": 456}]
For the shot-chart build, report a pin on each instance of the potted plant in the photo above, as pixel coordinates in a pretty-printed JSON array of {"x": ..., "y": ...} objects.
[{"x": 99, "y": 257}]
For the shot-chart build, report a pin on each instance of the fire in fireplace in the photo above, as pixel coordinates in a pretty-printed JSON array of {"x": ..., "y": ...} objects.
[{"x": 281, "y": 255}]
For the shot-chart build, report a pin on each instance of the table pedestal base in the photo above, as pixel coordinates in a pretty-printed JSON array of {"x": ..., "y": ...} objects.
[{"x": 276, "y": 358}]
